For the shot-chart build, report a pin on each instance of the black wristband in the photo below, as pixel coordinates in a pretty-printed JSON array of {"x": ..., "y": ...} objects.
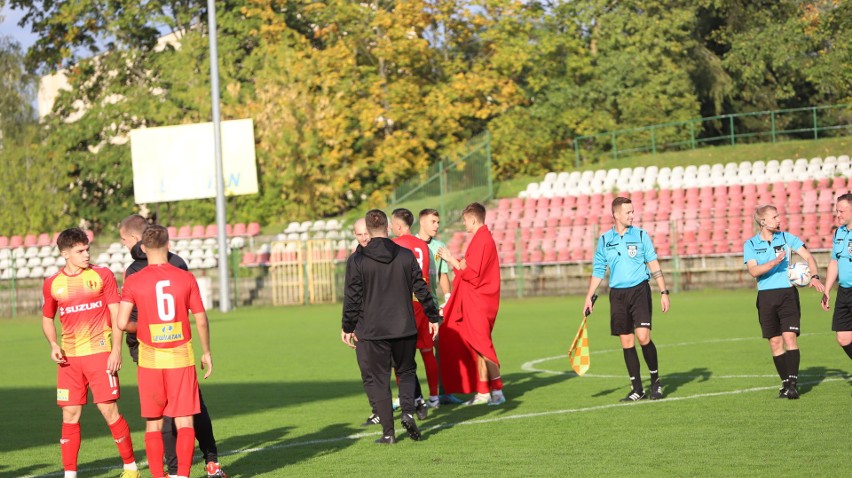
[
  {"x": 815, "y": 276},
  {"x": 665, "y": 292}
]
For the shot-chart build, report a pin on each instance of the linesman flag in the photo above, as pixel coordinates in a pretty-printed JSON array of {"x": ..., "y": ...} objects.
[{"x": 579, "y": 353}]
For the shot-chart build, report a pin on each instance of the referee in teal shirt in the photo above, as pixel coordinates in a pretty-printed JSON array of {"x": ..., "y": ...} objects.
[
  {"x": 632, "y": 261},
  {"x": 767, "y": 257},
  {"x": 840, "y": 271}
]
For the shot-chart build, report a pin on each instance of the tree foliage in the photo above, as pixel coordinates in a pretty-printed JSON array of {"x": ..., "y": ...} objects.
[{"x": 350, "y": 98}]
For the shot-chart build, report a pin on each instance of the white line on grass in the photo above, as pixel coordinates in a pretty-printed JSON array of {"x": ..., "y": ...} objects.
[
  {"x": 530, "y": 366},
  {"x": 481, "y": 421}
]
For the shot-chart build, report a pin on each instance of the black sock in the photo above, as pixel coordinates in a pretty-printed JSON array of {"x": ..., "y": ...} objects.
[
  {"x": 781, "y": 366},
  {"x": 631, "y": 358},
  {"x": 793, "y": 358},
  {"x": 848, "y": 349},
  {"x": 649, "y": 351}
]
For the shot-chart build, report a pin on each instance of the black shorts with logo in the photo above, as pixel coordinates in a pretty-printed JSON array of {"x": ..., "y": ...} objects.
[
  {"x": 779, "y": 311},
  {"x": 630, "y": 308},
  {"x": 842, "y": 319}
]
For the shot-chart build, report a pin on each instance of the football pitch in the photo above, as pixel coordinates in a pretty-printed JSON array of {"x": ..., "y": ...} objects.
[{"x": 286, "y": 400}]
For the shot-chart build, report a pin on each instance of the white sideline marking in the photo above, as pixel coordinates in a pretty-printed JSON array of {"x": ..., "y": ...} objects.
[
  {"x": 530, "y": 366},
  {"x": 520, "y": 416}
]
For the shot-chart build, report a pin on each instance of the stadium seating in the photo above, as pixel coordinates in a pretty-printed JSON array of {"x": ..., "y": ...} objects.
[
  {"x": 688, "y": 221},
  {"x": 645, "y": 179}
]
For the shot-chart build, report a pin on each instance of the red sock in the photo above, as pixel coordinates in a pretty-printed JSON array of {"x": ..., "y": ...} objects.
[
  {"x": 154, "y": 450},
  {"x": 496, "y": 383},
  {"x": 431, "y": 366},
  {"x": 482, "y": 386},
  {"x": 70, "y": 445},
  {"x": 185, "y": 448},
  {"x": 121, "y": 434}
]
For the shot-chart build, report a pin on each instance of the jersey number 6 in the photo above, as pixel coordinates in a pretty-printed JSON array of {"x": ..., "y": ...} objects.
[{"x": 165, "y": 302}]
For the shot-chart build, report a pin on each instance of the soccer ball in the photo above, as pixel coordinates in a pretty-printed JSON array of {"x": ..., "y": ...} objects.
[{"x": 799, "y": 274}]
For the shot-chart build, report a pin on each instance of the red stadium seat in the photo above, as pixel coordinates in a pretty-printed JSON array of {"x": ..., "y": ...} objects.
[
  {"x": 184, "y": 232},
  {"x": 197, "y": 232},
  {"x": 211, "y": 230},
  {"x": 4, "y": 241},
  {"x": 30, "y": 240},
  {"x": 253, "y": 229},
  {"x": 91, "y": 235},
  {"x": 172, "y": 231},
  {"x": 249, "y": 259},
  {"x": 43, "y": 239}
]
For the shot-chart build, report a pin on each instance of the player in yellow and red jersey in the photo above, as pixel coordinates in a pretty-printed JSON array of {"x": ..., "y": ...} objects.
[
  {"x": 401, "y": 221},
  {"x": 89, "y": 357},
  {"x": 168, "y": 385}
]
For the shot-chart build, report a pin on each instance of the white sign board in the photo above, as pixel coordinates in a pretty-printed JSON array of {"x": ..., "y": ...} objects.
[{"x": 174, "y": 163}]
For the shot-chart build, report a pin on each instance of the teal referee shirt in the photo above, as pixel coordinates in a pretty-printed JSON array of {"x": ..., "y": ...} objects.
[
  {"x": 841, "y": 251},
  {"x": 764, "y": 251},
  {"x": 626, "y": 256}
]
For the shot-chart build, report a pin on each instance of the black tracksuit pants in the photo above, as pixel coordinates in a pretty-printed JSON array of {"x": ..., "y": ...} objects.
[{"x": 376, "y": 359}]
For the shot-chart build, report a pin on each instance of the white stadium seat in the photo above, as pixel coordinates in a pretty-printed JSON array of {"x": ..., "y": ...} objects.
[{"x": 22, "y": 273}]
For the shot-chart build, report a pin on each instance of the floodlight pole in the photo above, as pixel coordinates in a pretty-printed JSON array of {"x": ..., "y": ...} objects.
[{"x": 221, "y": 220}]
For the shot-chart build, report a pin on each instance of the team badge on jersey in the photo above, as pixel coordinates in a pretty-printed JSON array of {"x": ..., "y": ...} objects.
[
  {"x": 849, "y": 247},
  {"x": 632, "y": 250},
  {"x": 93, "y": 284},
  {"x": 62, "y": 394}
]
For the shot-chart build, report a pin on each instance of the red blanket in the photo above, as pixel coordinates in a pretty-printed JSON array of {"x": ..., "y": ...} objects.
[{"x": 469, "y": 315}]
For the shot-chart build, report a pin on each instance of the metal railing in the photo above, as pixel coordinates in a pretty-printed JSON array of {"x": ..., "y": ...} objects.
[{"x": 761, "y": 126}]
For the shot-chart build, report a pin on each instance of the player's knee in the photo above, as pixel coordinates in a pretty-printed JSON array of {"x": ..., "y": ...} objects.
[
  {"x": 843, "y": 341},
  {"x": 110, "y": 411},
  {"x": 71, "y": 414}
]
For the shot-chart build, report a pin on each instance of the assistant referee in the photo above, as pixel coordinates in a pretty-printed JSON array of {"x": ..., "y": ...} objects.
[
  {"x": 632, "y": 261},
  {"x": 840, "y": 271}
]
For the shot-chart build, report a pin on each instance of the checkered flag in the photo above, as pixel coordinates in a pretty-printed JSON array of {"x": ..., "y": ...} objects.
[{"x": 579, "y": 354}]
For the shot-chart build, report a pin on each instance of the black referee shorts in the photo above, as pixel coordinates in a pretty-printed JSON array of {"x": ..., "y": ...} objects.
[
  {"x": 630, "y": 308},
  {"x": 778, "y": 311},
  {"x": 842, "y": 319}
]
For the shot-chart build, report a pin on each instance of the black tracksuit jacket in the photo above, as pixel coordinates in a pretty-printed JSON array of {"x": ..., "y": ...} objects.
[{"x": 381, "y": 280}]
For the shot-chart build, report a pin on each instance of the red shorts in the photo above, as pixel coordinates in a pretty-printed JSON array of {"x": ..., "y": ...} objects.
[
  {"x": 79, "y": 374},
  {"x": 171, "y": 392},
  {"x": 424, "y": 338}
]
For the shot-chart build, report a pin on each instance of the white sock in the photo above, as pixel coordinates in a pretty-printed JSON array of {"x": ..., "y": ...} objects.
[
  {"x": 131, "y": 466},
  {"x": 70, "y": 474},
  {"x": 432, "y": 398}
]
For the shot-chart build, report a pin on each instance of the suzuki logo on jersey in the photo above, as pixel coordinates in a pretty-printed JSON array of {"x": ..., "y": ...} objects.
[
  {"x": 80, "y": 307},
  {"x": 166, "y": 333},
  {"x": 632, "y": 250}
]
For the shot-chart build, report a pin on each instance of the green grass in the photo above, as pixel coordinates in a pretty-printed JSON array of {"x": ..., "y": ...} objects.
[{"x": 285, "y": 395}]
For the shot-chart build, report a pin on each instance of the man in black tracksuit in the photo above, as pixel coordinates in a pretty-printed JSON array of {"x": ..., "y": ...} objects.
[
  {"x": 378, "y": 321},
  {"x": 131, "y": 229}
]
